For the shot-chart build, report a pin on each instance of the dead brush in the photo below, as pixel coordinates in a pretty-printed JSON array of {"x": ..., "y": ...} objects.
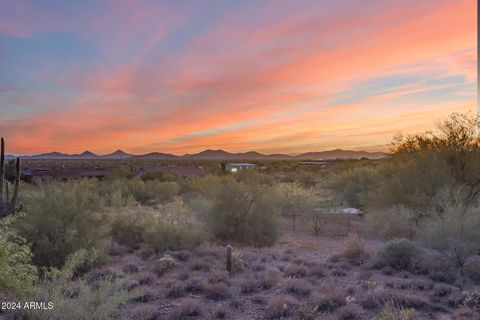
[
  {"x": 393, "y": 312},
  {"x": 354, "y": 248},
  {"x": 306, "y": 313},
  {"x": 238, "y": 263}
]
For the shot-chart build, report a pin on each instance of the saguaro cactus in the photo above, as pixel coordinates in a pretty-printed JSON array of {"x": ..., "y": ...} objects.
[
  {"x": 8, "y": 206},
  {"x": 229, "y": 258}
]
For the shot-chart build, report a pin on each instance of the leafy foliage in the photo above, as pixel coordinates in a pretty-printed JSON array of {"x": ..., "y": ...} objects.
[
  {"x": 244, "y": 213},
  {"x": 400, "y": 254},
  {"x": 17, "y": 273},
  {"x": 78, "y": 299},
  {"x": 61, "y": 218},
  {"x": 167, "y": 229}
]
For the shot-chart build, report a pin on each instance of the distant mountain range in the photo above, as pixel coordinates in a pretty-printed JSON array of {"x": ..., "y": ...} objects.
[{"x": 213, "y": 155}]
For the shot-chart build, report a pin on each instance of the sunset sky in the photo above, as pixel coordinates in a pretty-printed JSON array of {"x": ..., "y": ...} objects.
[{"x": 271, "y": 76}]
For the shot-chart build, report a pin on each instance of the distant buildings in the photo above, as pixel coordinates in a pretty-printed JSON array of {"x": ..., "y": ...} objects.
[
  {"x": 62, "y": 173},
  {"x": 234, "y": 167}
]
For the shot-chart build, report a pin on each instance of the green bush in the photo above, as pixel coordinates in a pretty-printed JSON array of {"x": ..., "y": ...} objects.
[
  {"x": 161, "y": 236},
  {"x": 60, "y": 218},
  {"x": 78, "y": 299},
  {"x": 128, "y": 226},
  {"x": 422, "y": 165},
  {"x": 164, "y": 229},
  {"x": 17, "y": 273},
  {"x": 120, "y": 192},
  {"x": 208, "y": 186},
  {"x": 455, "y": 233},
  {"x": 118, "y": 200},
  {"x": 389, "y": 223},
  {"x": 353, "y": 184},
  {"x": 295, "y": 199},
  {"x": 254, "y": 177},
  {"x": 400, "y": 254},
  {"x": 244, "y": 213},
  {"x": 152, "y": 190},
  {"x": 306, "y": 179}
]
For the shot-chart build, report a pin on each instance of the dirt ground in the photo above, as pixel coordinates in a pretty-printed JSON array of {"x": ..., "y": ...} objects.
[{"x": 287, "y": 281}]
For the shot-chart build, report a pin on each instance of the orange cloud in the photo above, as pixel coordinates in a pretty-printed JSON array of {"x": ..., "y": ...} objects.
[{"x": 291, "y": 81}]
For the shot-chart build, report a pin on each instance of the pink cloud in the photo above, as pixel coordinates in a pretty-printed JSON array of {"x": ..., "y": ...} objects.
[{"x": 235, "y": 82}]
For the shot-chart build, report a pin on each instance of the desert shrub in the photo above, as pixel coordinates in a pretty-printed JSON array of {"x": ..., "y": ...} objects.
[
  {"x": 254, "y": 177},
  {"x": 120, "y": 172},
  {"x": 306, "y": 179},
  {"x": 295, "y": 199},
  {"x": 17, "y": 273},
  {"x": 167, "y": 229},
  {"x": 471, "y": 268},
  {"x": 161, "y": 236},
  {"x": 393, "y": 222},
  {"x": 455, "y": 233},
  {"x": 420, "y": 165},
  {"x": 400, "y": 254},
  {"x": 465, "y": 313},
  {"x": 379, "y": 298},
  {"x": 164, "y": 191},
  {"x": 164, "y": 264},
  {"x": 244, "y": 213},
  {"x": 268, "y": 280},
  {"x": 128, "y": 226},
  {"x": 306, "y": 313},
  {"x": 130, "y": 268},
  {"x": 329, "y": 298},
  {"x": 353, "y": 248},
  {"x": 280, "y": 307},
  {"x": 249, "y": 286},
  {"x": 175, "y": 290},
  {"x": 187, "y": 308},
  {"x": 296, "y": 271},
  {"x": 146, "y": 312},
  {"x": 61, "y": 218},
  {"x": 198, "y": 203},
  {"x": 152, "y": 190},
  {"x": 195, "y": 285},
  {"x": 120, "y": 192},
  {"x": 472, "y": 299},
  {"x": 143, "y": 296},
  {"x": 297, "y": 287},
  {"x": 216, "y": 291},
  {"x": 350, "y": 311},
  {"x": 442, "y": 290},
  {"x": 415, "y": 175},
  {"x": 353, "y": 184},
  {"x": 208, "y": 186},
  {"x": 393, "y": 312},
  {"x": 80, "y": 262},
  {"x": 77, "y": 299},
  {"x": 117, "y": 200}
]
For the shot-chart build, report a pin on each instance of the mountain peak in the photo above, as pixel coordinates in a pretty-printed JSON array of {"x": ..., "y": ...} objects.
[{"x": 117, "y": 154}]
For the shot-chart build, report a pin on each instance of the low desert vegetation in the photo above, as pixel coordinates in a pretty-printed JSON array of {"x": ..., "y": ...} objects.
[
  {"x": 143, "y": 244},
  {"x": 244, "y": 213}
]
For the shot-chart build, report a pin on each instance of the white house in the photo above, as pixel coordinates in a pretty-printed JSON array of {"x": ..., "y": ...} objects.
[{"x": 234, "y": 167}]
